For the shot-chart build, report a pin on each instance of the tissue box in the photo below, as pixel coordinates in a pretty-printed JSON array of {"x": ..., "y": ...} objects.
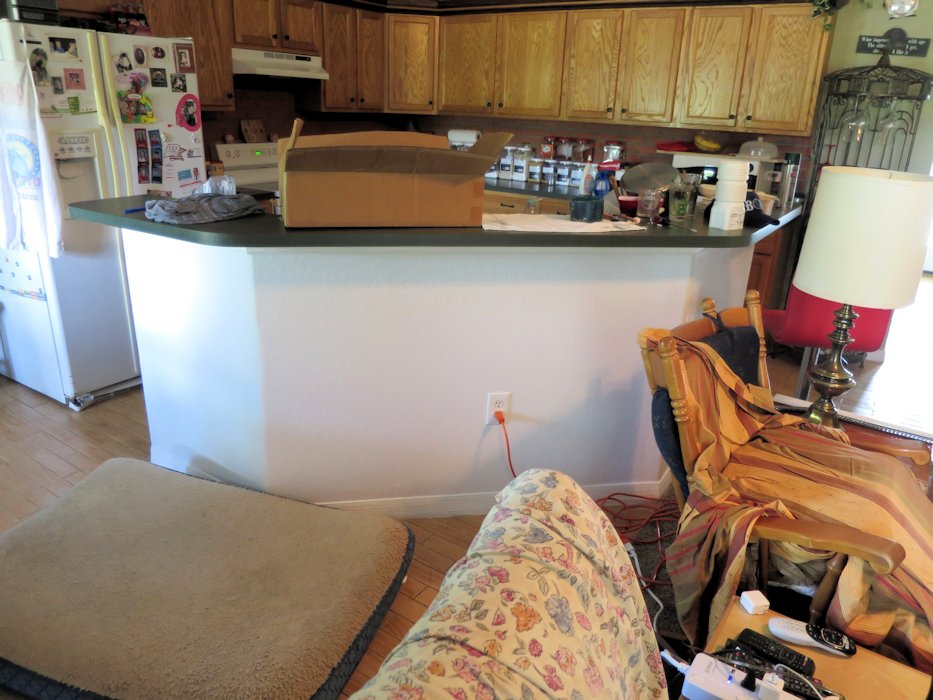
[{"x": 383, "y": 178}]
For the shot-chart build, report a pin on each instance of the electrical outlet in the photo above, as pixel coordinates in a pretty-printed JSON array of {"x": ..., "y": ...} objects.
[{"x": 498, "y": 401}]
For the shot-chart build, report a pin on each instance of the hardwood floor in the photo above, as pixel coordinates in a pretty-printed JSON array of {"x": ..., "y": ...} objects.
[{"x": 46, "y": 448}]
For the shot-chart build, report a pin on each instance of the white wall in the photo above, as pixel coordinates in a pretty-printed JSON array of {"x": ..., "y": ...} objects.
[{"x": 855, "y": 19}]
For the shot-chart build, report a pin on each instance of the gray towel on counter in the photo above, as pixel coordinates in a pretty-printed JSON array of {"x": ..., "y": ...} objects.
[{"x": 201, "y": 208}]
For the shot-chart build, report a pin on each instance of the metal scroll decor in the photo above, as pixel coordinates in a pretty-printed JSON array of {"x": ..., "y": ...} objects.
[{"x": 869, "y": 118}]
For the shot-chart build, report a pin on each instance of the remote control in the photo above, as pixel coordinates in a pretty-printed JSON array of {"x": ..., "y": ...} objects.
[
  {"x": 801, "y": 633},
  {"x": 737, "y": 654},
  {"x": 775, "y": 652}
]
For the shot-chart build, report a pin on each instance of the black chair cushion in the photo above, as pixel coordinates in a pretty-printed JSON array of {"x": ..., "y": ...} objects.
[{"x": 739, "y": 348}]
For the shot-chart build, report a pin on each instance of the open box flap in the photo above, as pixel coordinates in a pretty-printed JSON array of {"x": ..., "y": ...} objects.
[{"x": 386, "y": 159}]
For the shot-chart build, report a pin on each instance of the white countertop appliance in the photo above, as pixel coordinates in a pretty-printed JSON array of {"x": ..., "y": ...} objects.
[
  {"x": 253, "y": 165},
  {"x": 120, "y": 116}
]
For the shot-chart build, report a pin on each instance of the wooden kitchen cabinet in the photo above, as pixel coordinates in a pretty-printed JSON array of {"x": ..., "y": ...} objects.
[
  {"x": 784, "y": 75},
  {"x": 292, "y": 25},
  {"x": 591, "y": 64},
  {"x": 634, "y": 78},
  {"x": 648, "y": 74},
  {"x": 529, "y": 63},
  {"x": 466, "y": 72},
  {"x": 412, "y": 63},
  {"x": 210, "y": 26},
  {"x": 354, "y": 56},
  {"x": 753, "y": 68},
  {"x": 515, "y": 203},
  {"x": 717, "y": 42}
]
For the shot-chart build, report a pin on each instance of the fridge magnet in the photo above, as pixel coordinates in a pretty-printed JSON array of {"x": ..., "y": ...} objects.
[
  {"x": 184, "y": 57},
  {"x": 157, "y": 174},
  {"x": 135, "y": 105},
  {"x": 142, "y": 155},
  {"x": 179, "y": 82},
  {"x": 38, "y": 63},
  {"x": 74, "y": 79},
  {"x": 158, "y": 77},
  {"x": 62, "y": 46},
  {"x": 175, "y": 151},
  {"x": 58, "y": 87},
  {"x": 143, "y": 173},
  {"x": 74, "y": 105},
  {"x": 155, "y": 138},
  {"x": 139, "y": 55},
  {"x": 188, "y": 112},
  {"x": 158, "y": 52},
  {"x": 140, "y": 135},
  {"x": 122, "y": 63}
]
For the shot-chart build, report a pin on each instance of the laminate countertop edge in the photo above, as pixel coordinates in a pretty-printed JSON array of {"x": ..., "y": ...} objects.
[{"x": 267, "y": 231}]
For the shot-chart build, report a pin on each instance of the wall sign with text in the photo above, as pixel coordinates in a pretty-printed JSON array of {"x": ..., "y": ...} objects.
[{"x": 873, "y": 44}]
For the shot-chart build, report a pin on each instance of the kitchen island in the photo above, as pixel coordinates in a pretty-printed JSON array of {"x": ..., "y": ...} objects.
[{"x": 352, "y": 366}]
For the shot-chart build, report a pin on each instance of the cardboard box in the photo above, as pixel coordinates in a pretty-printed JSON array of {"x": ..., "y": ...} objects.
[{"x": 383, "y": 178}]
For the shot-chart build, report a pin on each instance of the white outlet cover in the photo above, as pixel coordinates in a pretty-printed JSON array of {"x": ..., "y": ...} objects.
[{"x": 498, "y": 401}]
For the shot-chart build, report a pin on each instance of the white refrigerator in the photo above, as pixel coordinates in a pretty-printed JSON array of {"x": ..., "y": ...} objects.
[{"x": 94, "y": 116}]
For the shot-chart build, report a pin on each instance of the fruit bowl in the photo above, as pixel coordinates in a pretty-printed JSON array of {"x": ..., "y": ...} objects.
[{"x": 707, "y": 143}]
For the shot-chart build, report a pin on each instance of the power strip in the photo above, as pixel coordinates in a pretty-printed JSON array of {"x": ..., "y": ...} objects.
[{"x": 711, "y": 679}]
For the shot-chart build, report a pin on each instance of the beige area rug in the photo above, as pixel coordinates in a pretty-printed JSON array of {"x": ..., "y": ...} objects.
[{"x": 146, "y": 583}]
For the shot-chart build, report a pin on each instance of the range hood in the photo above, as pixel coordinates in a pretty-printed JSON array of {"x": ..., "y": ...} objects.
[{"x": 283, "y": 65}]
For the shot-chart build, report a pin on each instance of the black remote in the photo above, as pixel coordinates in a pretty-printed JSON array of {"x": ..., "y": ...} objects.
[
  {"x": 739, "y": 655},
  {"x": 777, "y": 653}
]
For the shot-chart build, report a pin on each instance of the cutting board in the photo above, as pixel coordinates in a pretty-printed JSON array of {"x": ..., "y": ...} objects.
[{"x": 253, "y": 130}]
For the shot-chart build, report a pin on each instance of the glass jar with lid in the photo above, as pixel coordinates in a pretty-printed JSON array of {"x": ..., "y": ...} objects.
[
  {"x": 562, "y": 170},
  {"x": 505, "y": 163},
  {"x": 535, "y": 166},
  {"x": 563, "y": 149},
  {"x": 582, "y": 150},
  {"x": 549, "y": 172},
  {"x": 613, "y": 150},
  {"x": 546, "y": 149},
  {"x": 576, "y": 174}
]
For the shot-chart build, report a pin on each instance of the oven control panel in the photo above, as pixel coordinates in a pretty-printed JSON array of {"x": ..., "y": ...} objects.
[{"x": 247, "y": 155}]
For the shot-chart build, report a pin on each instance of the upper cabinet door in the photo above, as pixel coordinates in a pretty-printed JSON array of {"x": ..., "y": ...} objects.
[
  {"x": 301, "y": 25},
  {"x": 529, "y": 63},
  {"x": 717, "y": 43},
  {"x": 591, "y": 65},
  {"x": 650, "y": 65},
  {"x": 412, "y": 63},
  {"x": 209, "y": 23},
  {"x": 466, "y": 64},
  {"x": 782, "y": 84},
  {"x": 370, "y": 60},
  {"x": 255, "y": 23},
  {"x": 339, "y": 57}
]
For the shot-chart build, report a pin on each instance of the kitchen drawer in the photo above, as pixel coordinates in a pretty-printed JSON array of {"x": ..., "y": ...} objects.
[
  {"x": 504, "y": 203},
  {"x": 547, "y": 205}
]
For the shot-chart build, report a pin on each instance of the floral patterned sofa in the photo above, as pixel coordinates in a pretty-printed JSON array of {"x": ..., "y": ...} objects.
[{"x": 544, "y": 604}]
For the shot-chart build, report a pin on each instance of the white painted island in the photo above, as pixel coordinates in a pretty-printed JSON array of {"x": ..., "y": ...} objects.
[{"x": 352, "y": 367}]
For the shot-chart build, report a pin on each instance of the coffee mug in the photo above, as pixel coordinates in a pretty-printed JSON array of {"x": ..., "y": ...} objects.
[{"x": 586, "y": 208}]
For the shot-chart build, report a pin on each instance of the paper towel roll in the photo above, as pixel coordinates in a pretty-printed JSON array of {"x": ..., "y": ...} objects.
[{"x": 462, "y": 137}]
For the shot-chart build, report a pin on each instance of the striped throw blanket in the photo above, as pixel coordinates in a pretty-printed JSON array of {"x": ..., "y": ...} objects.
[{"x": 756, "y": 462}]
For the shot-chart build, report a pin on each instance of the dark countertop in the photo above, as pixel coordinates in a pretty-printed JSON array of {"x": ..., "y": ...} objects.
[{"x": 267, "y": 231}]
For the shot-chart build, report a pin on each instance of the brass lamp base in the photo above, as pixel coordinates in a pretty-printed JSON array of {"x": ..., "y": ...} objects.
[{"x": 831, "y": 377}]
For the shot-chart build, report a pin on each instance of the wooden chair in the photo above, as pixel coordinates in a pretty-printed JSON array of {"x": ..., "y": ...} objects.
[{"x": 667, "y": 379}]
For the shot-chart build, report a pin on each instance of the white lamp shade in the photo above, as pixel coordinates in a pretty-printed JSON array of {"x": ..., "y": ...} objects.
[{"x": 867, "y": 237}]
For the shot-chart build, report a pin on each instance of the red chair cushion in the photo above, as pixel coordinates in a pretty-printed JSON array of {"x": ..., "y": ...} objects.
[{"x": 808, "y": 320}]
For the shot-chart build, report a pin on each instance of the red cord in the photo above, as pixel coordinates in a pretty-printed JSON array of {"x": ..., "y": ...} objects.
[{"x": 500, "y": 416}]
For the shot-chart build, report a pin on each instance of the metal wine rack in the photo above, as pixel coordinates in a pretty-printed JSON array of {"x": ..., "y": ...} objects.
[{"x": 869, "y": 118}]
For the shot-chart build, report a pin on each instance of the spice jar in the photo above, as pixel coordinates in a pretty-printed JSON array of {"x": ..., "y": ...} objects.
[
  {"x": 562, "y": 170},
  {"x": 582, "y": 150},
  {"x": 613, "y": 150},
  {"x": 564, "y": 149},
  {"x": 549, "y": 172},
  {"x": 576, "y": 174},
  {"x": 546, "y": 149}
]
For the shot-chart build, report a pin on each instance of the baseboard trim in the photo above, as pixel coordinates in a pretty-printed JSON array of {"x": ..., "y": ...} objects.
[{"x": 446, "y": 505}]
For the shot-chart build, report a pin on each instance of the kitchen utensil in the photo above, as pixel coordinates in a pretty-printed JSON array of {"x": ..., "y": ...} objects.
[
  {"x": 649, "y": 175},
  {"x": 649, "y": 202},
  {"x": 586, "y": 208},
  {"x": 253, "y": 130}
]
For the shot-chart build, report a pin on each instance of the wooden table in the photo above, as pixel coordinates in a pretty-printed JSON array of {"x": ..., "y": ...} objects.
[{"x": 865, "y": 675}]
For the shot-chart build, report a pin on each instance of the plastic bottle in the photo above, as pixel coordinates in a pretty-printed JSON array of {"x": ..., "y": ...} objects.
[
  {"x": 789, "y": 180},
  {"x": 589, "y": 174},
  {"x": 531, "y": 206}
]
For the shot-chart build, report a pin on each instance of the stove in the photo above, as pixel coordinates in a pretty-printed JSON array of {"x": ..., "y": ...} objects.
[{"x": 255, "y": 165}]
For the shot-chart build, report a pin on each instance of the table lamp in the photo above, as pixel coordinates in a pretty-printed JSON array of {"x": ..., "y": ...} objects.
[{"x": 864, "y": 246}]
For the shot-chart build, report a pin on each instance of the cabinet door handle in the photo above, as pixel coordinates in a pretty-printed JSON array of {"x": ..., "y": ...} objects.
[
  {"x": 609, "y": 109},
  {"x": 501, "y": 105},
  {"x": 275, "y": 36},
  {"x": 362, "y": 100},
  {"x": 731, "y": 116},
  {"x": 352, "y": 99},
  {"x": 622, "y": 110},
  {"x": 489, "y": 104},
  {"x": 748, "y": 117},
  {"x": 430, "y": 102},
  {"x": 507, "y": 206},
  {"x": 285, "y": 37},
  {"x": 229, "y": 95}
]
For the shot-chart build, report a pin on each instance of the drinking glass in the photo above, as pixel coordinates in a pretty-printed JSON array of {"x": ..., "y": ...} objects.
[
  {"x": 649, "y": 202},
  {"x": 680, "y": 200}
]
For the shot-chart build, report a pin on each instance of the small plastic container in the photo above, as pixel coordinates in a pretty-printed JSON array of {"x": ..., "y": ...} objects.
[
  {"x": 583, "y": 150},
  {"x": 549, "y": 172},
  {"x": 563, "y": 149},
  {"x": 535, "y": 168},
  {"x": 728, "y": 216},
  {"x": 505, "y": 163}
]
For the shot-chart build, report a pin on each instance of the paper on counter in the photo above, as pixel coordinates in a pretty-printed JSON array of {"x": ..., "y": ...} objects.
[{"x": 553, "y": 223}]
